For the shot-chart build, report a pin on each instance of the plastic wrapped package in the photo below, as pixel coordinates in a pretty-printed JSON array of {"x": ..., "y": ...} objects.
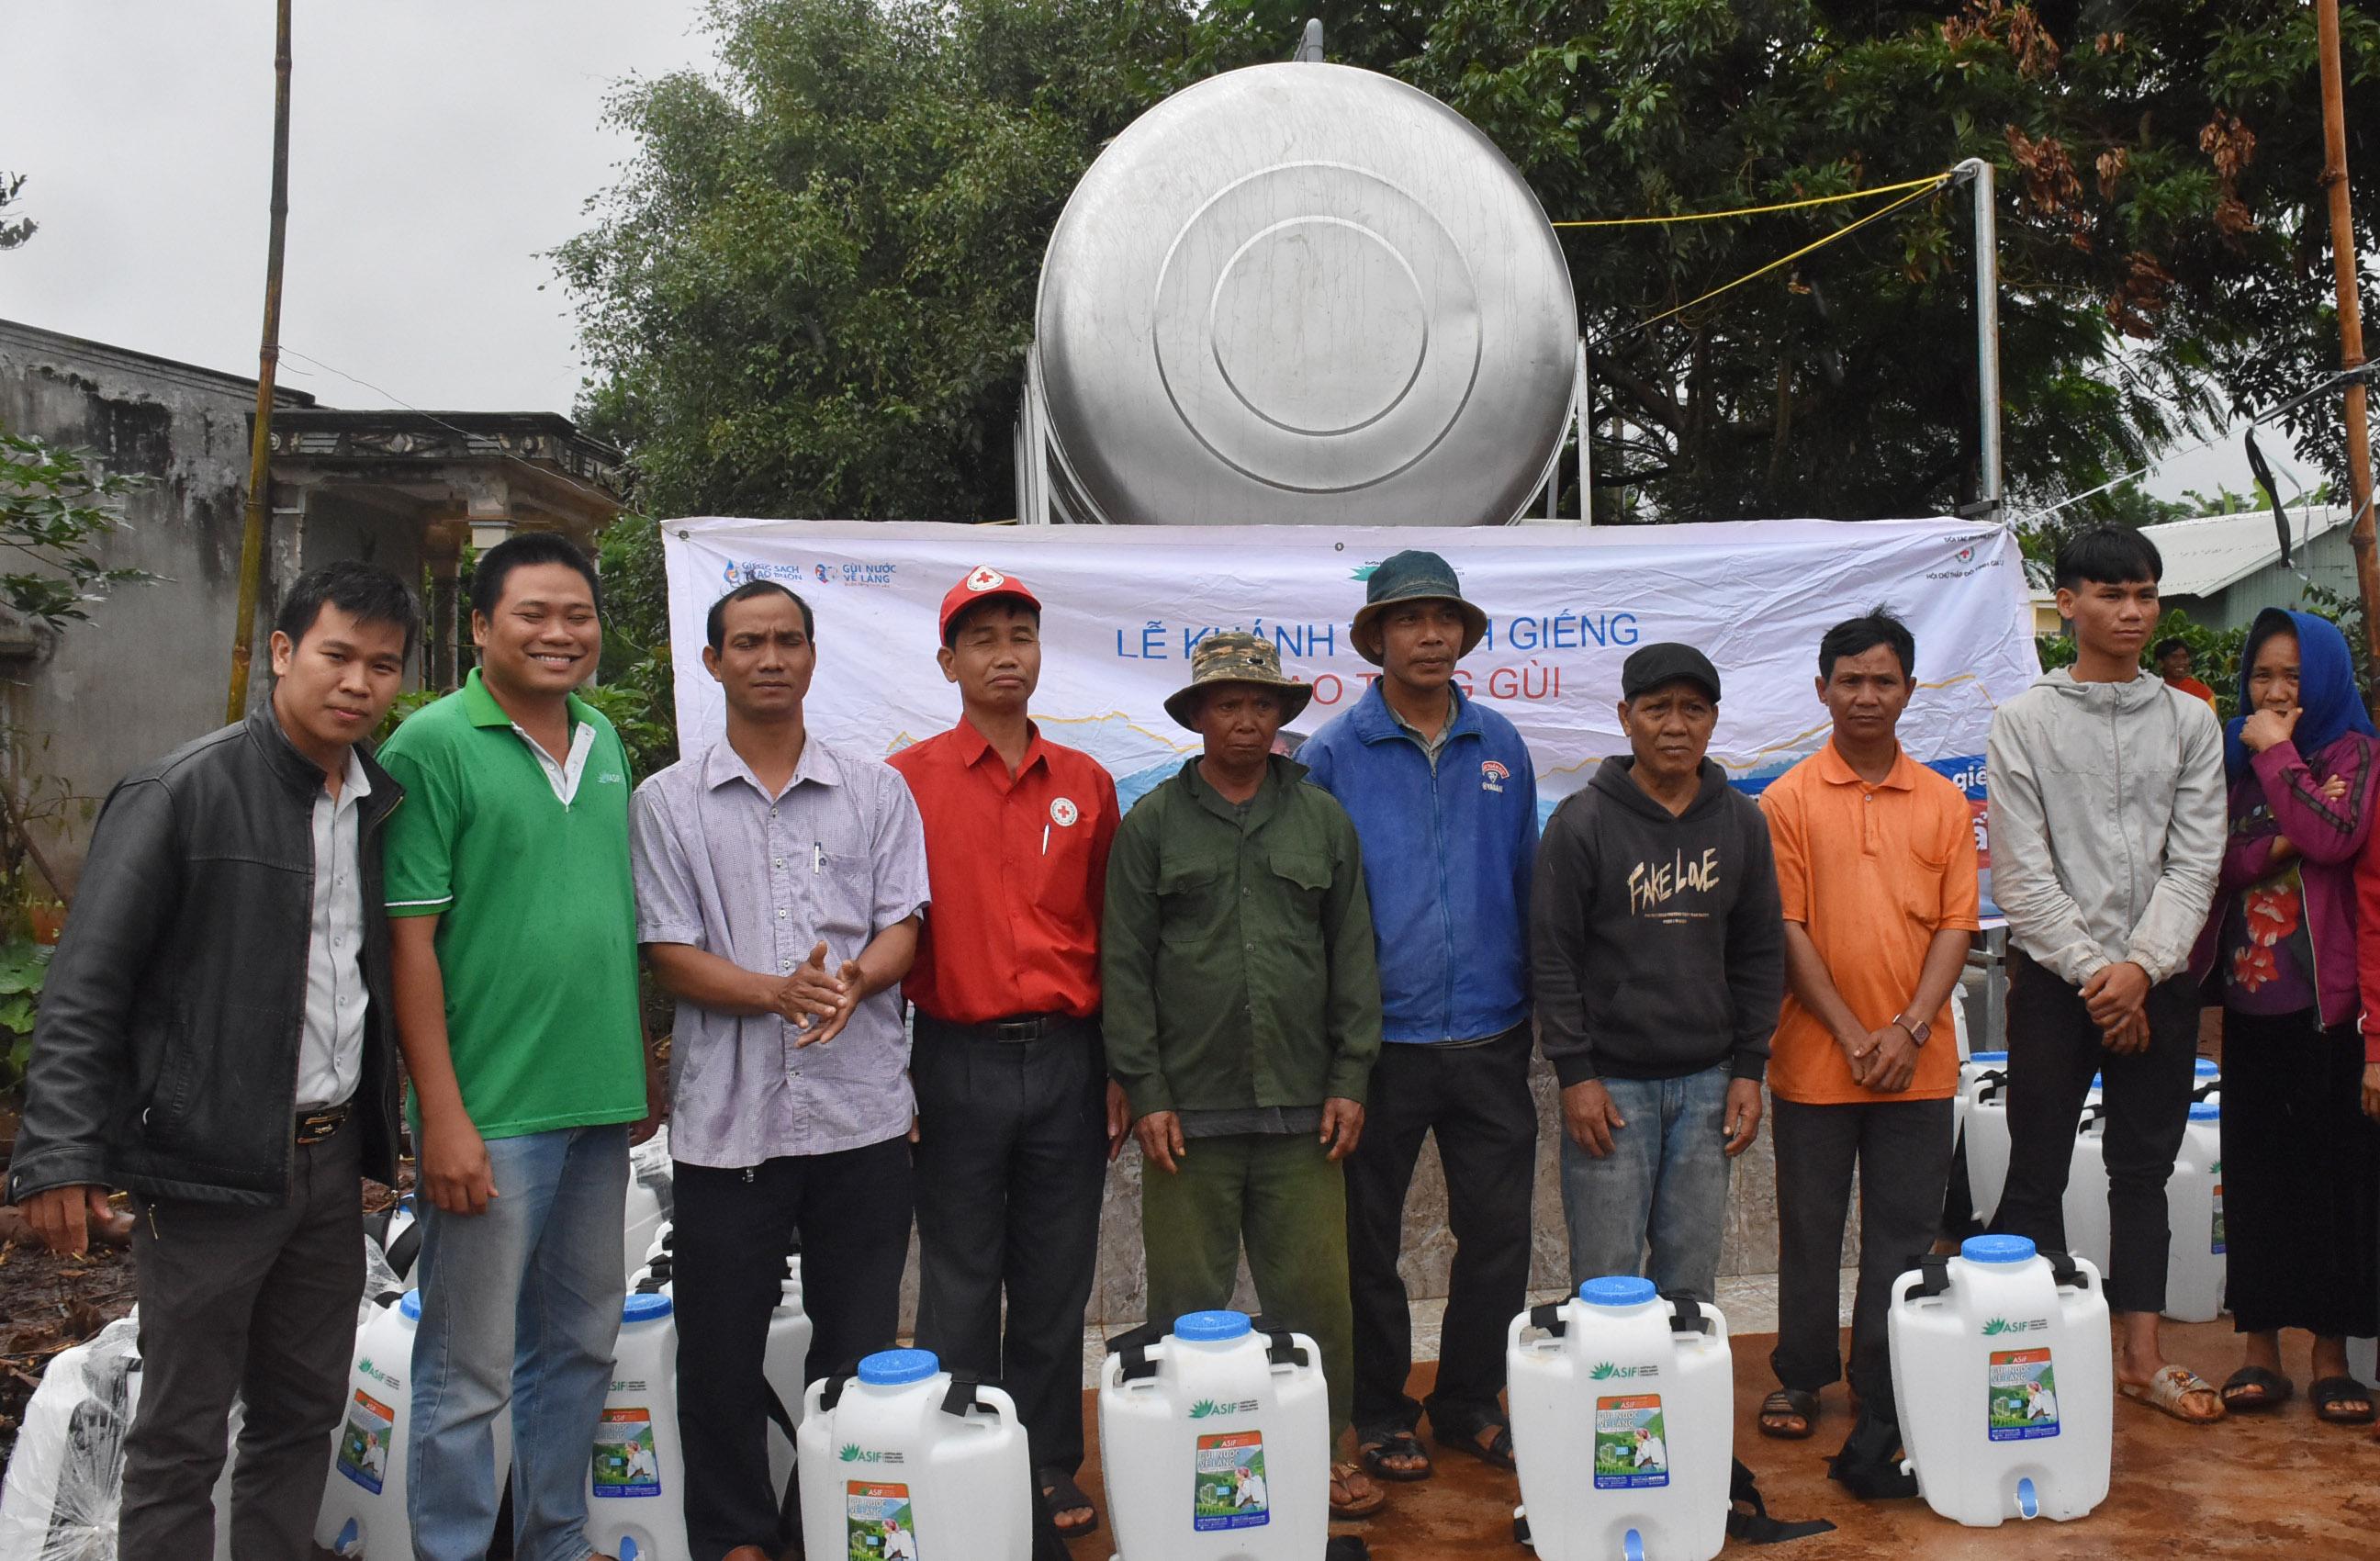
[{"x": 66, "y": 1478}]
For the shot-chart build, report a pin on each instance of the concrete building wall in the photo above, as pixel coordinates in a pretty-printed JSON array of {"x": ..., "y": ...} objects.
[{"x": 149, "y": 671}]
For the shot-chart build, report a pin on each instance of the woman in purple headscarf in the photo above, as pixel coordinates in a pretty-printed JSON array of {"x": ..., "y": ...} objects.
[{"x": 2301, "y": 1162}]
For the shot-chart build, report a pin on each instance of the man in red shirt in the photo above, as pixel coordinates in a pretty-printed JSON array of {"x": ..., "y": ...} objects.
[
  {"x": 1015, "y": 1110},
  {"x": 2173, "y": 665}
]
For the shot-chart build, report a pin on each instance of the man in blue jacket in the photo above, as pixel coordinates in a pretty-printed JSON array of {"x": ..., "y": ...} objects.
[{"x": 1445, "y": 801}]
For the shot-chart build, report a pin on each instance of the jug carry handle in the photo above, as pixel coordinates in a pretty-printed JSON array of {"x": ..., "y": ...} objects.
[
  {"x": 1933, "y": 1269},
  {"x": 1281, "y": 1348},
  {"x": 964, "y": 1394},
  {"x": 1133, "y": 1347},
  {"x": 1546, "y": 1318},
  {"x": 1686, "y": 1314},
  {"x": 830, "y": 1386},
  {"x": 401, "y": 1252},
  {"x": 2202, "y": 1091},
  {"x": 2064, "y": 1272}
]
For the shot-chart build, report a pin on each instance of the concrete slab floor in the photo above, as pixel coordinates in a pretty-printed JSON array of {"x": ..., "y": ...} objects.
[{"x": 2277, "y": 1485}]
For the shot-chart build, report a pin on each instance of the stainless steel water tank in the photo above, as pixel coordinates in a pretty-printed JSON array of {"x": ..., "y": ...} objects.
[{"x": 1305, "y": 294}]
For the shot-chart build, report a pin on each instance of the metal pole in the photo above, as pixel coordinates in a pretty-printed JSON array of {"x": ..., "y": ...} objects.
[
  {"x": 2350, "y": 329},
  {"x": 1987, "y": 339},
  {"x": 260, "y": 453},
  {"x": 1580, "y": 390}
]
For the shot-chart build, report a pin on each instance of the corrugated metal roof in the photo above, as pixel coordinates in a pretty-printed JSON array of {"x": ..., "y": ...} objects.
[{"x": 2203, "y": 556}]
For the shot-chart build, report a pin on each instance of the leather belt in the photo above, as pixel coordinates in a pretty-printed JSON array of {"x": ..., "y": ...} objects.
[
  {"x": 313, "y": 1127},
  {"x": 1022, "y": 1028}
]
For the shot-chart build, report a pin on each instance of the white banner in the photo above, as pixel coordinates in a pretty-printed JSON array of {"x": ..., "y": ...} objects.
[{"x": 1122, "y": 606}]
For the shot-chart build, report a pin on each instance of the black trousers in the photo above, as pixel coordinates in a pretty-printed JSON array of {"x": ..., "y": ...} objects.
[
  {"x": 1011, "y": 1161},
  {"x": 851, "y": 1211},
  {"x": 2053, "y": 1050},
  {"x": 2301, "y": 1178},
  {"x": 258, "y": 1302},
  {"x": 1477, "y": 1100},
  {"x": 1902, "y": 1149}
]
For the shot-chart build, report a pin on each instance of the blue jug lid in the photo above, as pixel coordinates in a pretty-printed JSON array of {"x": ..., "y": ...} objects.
[
  {"x": 410, "y": 1305},
  {"x": 2206, "y": 1111},
  {"x": 1996, "y": 1248},
  {"x": 2207, "y": 1067},
  {"x": 1989, "y": 1059},
  {"x": 644, "y": 1306},
  {"x": 1210, "y": 1328},
  {"x": 1616, "y": 1289},
  {"x": 891, "y": 1368},
  {"x": 2099, "y": 1081}
]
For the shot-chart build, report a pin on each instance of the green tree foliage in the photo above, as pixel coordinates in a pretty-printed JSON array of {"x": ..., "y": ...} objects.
[
  {"x": 14, "y": 230},
  {"x": 811, "y": 290},
  {"x": 57, "y": 505}
]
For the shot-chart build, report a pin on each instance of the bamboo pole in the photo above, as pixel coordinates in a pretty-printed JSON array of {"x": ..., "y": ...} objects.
[
  {"x": 2350, "y": 329},
  {"x": 260, "y": 453}
]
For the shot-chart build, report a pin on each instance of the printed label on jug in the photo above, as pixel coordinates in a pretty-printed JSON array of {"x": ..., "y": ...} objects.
[
  {"x": 1231, "y": 1475},
  {"x": 2023, "y": 1395},
  {"x": 2215, "y": 1236},
  {"x": 363, "y": 1446},
  {"x": 878, "y": 1522},
  {"x": 1631, "y": 1447},
  {"x": 625, "y": 1464}
]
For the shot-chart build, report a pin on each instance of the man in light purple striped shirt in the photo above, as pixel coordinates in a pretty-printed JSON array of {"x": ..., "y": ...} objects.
[{"x": 780, "y": 881}]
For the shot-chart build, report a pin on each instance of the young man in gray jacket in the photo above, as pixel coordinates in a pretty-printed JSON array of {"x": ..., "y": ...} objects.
[{"x": 2107, "y": 832}]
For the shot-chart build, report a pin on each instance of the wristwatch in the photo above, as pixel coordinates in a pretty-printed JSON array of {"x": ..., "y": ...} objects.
[{"x": 1917, "y": 1033}]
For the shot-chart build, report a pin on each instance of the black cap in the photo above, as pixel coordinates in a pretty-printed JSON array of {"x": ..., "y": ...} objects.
[{"x": 1654, "y": 665}]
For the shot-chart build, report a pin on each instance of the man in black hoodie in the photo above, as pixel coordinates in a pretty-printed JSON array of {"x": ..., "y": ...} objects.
[{"x": 1660, "y": 958}]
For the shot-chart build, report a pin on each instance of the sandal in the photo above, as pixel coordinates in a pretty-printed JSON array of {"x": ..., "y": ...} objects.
[
  {"x": 1342, "y": 1479},
  {"x": 2253, "y": 1388},
  {"x": 2331, "y": 1392},
  {"x": 2165, "y": 1392},
  {"x": 1462, "y": 1435},
  {"x": 1059, "y": 1495},
  {"x": 1793, "y": 1403},
  {"x": 1377, "y": 1447}
]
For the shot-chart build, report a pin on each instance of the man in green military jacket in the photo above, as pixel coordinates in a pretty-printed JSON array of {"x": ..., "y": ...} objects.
[{"x": 1242, "y": 1016}]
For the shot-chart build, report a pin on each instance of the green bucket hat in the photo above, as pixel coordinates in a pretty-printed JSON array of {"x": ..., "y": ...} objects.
[
  {"x": 1413, "y": 576},
  {"x": 1236, "y": 657}
]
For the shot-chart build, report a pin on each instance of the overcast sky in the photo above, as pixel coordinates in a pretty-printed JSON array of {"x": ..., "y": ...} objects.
[{"x": 438, "y": 148}]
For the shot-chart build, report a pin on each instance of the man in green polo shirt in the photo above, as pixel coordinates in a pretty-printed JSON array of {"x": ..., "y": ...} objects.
[
  {"x": 1243, "y": 1017},
  {"x": 513, "y": 927}
]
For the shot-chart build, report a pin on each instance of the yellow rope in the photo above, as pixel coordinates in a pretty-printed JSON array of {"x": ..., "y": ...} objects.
[
  {"x": 1929, "y": 181},
  {"x": 1843, "y": 231}
]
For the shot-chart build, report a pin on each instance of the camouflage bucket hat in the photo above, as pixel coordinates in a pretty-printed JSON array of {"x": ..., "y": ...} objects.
[{"x": 1236, "y": 657}]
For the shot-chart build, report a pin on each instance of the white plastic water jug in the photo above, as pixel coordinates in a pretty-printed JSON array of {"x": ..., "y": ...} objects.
[
  {"x": 1623, "y": 1424},
  {"x": 784, "y": 1363},
  {"x": 900, "y": 1463},
  {"x": 2195, "y": 1266},
  {"x": 363, "y": 1501},
  {"x": 1215, "y": 1444},
  {"x": 1982, "y": 1085},
  {"x": 2085, "y": 1203},
  {"x": 2006, "y": 1383},
  {"x": 636, "y": 1479}
]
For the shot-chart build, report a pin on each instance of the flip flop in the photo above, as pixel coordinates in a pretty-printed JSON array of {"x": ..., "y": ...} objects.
[
  {"x": 1793, "y": 1401},
  {"x": 1461, "y": 1436},
  {"x": 1375, "y": 1447},
  {"x": 1354, "y": 1508},
  {"x": 1059, "y": 1493},
  {"x": 2252, "y": 1388},
  {"x": 2329, "y": 1393},
  {"x": 2166, "y": 1391}
]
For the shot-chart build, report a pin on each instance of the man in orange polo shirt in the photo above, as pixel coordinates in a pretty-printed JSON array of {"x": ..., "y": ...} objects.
[
  {"x": 1016, "y": 1120},
  {"x": 1875, "y": 866}
]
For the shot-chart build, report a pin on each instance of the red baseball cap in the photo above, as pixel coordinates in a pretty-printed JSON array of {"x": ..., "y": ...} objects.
[{"x": 983, "y": 583}]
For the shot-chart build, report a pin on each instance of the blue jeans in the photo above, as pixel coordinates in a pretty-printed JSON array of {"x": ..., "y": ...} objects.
[
  {"x": 520, "y": 1303},
  {"x": 1665, "y": 1181}
]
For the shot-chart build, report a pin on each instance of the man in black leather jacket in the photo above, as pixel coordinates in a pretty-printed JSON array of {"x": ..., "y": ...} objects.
[{"x": 215, "y": 1036}]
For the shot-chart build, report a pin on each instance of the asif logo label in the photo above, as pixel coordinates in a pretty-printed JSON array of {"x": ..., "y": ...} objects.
[
  {"x": 1995, "y": 1326},
  {"x": 367, "y": 1369},
  {"x": 1207, "y": 1408},
  {"x": 1492, "y": 776},
  {"x": 852, "y": 1452},
  {"x": 1606, "y": 1371}
]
